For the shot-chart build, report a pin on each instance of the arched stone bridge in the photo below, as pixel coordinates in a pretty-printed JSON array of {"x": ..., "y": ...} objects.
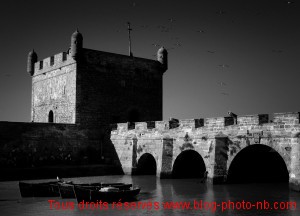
[{"x": 228, "y": 148}]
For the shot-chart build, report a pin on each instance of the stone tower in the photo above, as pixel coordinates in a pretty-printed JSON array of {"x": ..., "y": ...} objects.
[{"x": 95, "y": 88}]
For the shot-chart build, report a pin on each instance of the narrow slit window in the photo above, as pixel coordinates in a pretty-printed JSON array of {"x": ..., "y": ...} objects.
[
  {"x": 41, "y": 65},
  {"x": 64, "y": 56},
  {"x": 52, "y": 60}
]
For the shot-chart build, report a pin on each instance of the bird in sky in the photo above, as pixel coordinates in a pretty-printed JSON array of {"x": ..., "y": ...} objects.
[
  {"x": 171, "y": 48},
  {"x": 209, "y": 51},
  {"x": 161, "y": 27},
  {"x": 172, "y": 20},
  {"x": 165, "y": 30},
  {"x": 222, "y": 83},
  {"x": 224, "y": 65},
  {"x": 224, "y": 93},
  {"x": 231, "y": 114},
  {"x": 220, "y": 12},
  {"x": 200, "y": 31},
  {"x": 290, "y": 2},
  {"x": 156, "y": 45},
  {"x": 7, "y": 75},
  {"x": 277, "y": 51}
]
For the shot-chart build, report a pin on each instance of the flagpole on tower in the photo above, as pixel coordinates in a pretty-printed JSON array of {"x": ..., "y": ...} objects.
[{"x": 129, "y": 29}]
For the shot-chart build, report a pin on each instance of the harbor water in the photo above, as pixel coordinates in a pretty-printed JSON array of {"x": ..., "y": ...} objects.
[{"x": 162, "y": 197}]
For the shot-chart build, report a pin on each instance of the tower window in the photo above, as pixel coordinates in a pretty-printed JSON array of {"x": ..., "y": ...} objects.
[
  {"x": 64, "y": 56},
  {"x": 50, "y": 117},
  {"x": 52, "y": 60},
  {"x": 41, "y": 65}
]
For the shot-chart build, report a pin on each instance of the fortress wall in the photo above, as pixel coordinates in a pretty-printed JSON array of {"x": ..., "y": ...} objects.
[
  {"x": 42, "y": 145},
  {"x": 59, "y": 60}
]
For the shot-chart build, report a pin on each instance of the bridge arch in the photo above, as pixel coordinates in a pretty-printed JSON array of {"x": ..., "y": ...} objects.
[
  {"x": 146, "y": 165},
  {"x": 258, "y": 163},
  {"x": 188, "y": 164}
]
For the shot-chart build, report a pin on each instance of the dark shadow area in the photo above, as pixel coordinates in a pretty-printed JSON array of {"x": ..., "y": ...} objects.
[
  {"x": 146, "y": 165},
  {"x": 257, "y": 164},
  {"x": 188, "y": 164},
  {"x": 66, "y": 150}
]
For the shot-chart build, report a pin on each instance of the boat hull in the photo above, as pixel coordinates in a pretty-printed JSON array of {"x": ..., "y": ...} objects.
[
  {"x": 46, "y": 189},
  {"x": 67, "y": 189},
  {"x": 92, "y": 195}
]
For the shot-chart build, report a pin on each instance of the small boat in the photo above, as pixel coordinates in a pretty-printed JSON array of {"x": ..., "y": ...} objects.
[
  {"x": 40, "y": 189},
  {"x": 61, "y": 188},
  {"x": 105, "y": 194},
  {"x": 67, "y": 191}
]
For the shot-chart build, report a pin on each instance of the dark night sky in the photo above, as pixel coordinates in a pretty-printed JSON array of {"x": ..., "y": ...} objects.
[{"x": 256, "y": 41}]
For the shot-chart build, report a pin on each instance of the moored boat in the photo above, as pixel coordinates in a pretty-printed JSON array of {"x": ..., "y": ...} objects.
[
  {"x": 105, "y": 194},
  {"x": 39, "y": 189},
  {"x": 67, "y": 191},
  {"x": 61, "y": 188}
]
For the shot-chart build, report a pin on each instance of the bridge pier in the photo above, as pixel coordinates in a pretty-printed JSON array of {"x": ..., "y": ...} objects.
[
  {"x": 167, "y": 158},
  {"x": 218, "y": 173},
  {"x": 294, "y": 180}
]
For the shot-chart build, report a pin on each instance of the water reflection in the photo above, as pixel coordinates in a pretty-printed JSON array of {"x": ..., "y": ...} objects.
[
  {"x": 162, "y": 191},
  {"x": 148, "y": 184},
  {"x": 188, "y": 187}
]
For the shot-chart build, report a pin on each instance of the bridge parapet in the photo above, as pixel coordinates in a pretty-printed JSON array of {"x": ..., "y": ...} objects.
[
  {"x": 252, "y": 119},
  {"x": 217, "y": 140},
  {"x": 288, "y": 118},
  {"x": 244, "y": 122}
]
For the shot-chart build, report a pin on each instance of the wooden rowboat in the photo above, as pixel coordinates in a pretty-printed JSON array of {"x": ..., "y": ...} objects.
[
  {"x": 42, "y": 189},
  {"x": 110, "y": 195},
  {"x": 67, "y": 189},
  {"x": 63, "y": 189}
]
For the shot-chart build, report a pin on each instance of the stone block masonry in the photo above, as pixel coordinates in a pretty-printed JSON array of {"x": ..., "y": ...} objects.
[
  {"x": 54, "y": 90},
  {"x": 216, "y": 141}
]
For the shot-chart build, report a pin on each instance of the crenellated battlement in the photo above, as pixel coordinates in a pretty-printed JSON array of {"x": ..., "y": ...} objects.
[
  {"x": 287, "y": 118},
  {"x": 52, "y": 63},
  {"x": 280, "y": 120}
]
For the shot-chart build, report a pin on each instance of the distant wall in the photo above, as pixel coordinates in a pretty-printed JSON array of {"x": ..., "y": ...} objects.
[{"x": 39, "y": 144}]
